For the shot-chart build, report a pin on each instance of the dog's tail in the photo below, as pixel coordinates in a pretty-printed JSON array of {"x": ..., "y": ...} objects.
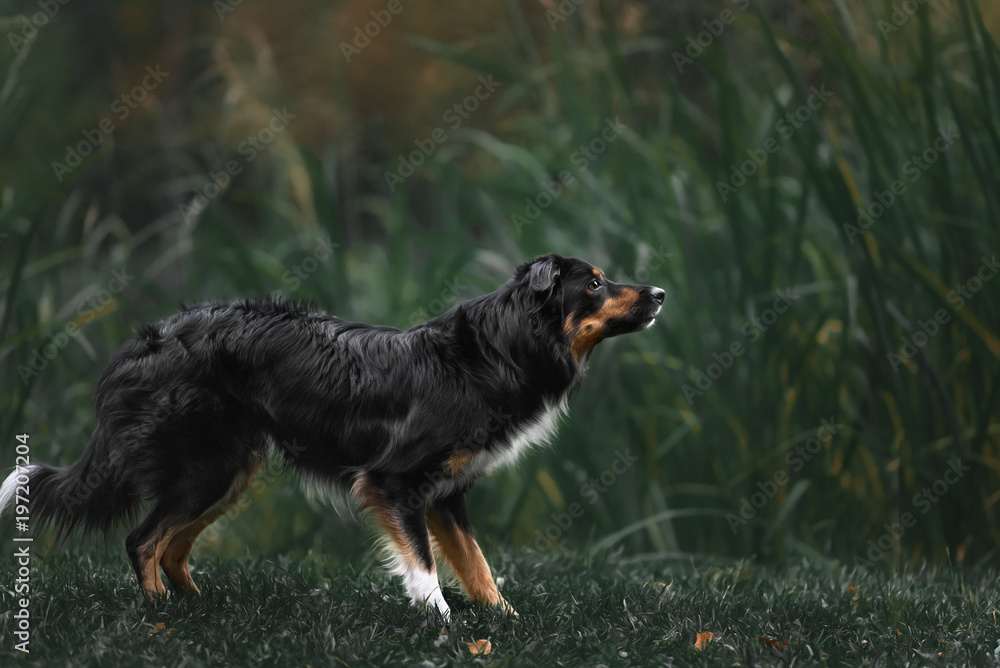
[{"x": 91, "y": 492}]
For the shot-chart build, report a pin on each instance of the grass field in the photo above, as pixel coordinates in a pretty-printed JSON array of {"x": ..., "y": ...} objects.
[{"x": 610, "y": 611}]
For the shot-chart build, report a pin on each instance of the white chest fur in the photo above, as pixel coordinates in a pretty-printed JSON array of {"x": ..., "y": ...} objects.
[{"x": 535, "y": 433}]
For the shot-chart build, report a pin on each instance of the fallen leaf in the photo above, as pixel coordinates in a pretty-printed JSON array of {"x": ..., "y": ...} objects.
[
  {"x": 855, "y": 590},
  {"x": 480, "y": 647},
  {"x": 159, "y": 627},
  {"x": 776, "y": 644},
  {"x": 703, "y": 639}
]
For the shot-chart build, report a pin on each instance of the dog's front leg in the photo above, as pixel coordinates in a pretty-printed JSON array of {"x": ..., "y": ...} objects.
[
  {"x": 408, "y": 542},
  {"x": 448, "y": 521}
]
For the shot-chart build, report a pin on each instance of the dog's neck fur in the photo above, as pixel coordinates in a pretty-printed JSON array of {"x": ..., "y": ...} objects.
[{"x": 509, "y": 333}]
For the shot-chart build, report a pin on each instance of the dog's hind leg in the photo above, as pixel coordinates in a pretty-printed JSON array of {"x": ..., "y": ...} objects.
[
  {"x": 409, "y": 542},
  {"x": 147, "y": 543},
  {"x": 176, "y": 519},
  {"x": 448, "y": 522},
  {"x": 174, "y": 559}
]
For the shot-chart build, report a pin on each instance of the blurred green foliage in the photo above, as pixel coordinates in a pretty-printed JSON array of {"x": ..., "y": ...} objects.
[{"x": 678, "y": 199}]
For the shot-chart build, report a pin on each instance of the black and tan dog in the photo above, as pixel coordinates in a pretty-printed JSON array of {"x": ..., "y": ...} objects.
[{"x": 405, "y": 420}]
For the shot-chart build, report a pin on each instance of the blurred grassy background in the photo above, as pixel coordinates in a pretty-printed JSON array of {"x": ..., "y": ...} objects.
[{"x": 647, "y": 207}]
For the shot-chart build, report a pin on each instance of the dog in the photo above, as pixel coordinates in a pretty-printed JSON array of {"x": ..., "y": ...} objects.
[{"x": 405, "y": 421}]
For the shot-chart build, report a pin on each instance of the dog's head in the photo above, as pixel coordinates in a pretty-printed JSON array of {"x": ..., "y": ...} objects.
[{"x": 590, "y": 307}]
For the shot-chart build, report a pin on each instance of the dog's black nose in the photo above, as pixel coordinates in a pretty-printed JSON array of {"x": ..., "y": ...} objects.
[{"x": 657, "y": 294}]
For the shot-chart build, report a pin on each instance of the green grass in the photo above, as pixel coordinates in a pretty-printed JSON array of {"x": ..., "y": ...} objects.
[{"x": 320, "y": 612}]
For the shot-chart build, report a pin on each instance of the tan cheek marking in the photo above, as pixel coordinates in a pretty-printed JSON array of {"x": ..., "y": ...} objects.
[
  {"x": 620, "y": 305},
  {"x": 590, "y": 330},
  {"x": 588, "y": 337}
]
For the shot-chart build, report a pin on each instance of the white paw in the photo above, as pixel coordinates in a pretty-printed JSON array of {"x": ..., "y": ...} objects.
[
  {"x": 436, "y": 602},
  {"x": 424, "y": 590}
]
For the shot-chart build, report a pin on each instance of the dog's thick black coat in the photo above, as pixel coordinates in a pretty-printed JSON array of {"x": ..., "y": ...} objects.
[{"x": 406, "y": 420}]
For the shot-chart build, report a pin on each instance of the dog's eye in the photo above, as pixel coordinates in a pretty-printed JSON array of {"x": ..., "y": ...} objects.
[{"x": 594, "y": 285}]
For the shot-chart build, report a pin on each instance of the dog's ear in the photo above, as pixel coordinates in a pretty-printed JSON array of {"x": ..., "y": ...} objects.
[{"x": 543, "y": 275}]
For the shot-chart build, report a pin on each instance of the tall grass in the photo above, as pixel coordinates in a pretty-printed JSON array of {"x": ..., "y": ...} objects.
[
  {"x": 792, "y": 225},
  {"x": 647, "y": 207}
]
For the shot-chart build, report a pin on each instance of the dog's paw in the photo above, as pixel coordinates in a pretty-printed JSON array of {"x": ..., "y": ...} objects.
[
  {"x": 507, "y": 607},
  {"x": 442, "y": 609},
  {"x": 435, "y": 603}
]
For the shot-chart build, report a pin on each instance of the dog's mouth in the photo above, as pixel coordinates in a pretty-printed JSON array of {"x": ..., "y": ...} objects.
[
  {"x": 638, "y": 320},
  {"x": 652, "y": 318}
]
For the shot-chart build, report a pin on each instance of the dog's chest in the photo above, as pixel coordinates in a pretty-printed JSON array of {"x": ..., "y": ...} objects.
[{"x": 533, "y": 433}]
